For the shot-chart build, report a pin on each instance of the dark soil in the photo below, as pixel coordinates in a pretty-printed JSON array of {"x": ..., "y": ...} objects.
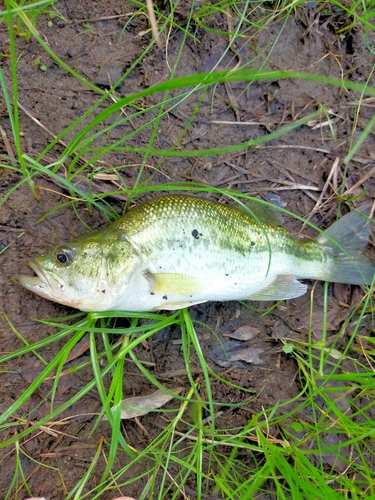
[{"x": 92, "y": 42}]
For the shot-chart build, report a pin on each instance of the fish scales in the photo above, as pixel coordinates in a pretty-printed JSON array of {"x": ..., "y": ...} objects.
[
  {"x": 224, "y": 226},
  {"x": 200, "y": 226},
  {"x": 176, "y": 251}
]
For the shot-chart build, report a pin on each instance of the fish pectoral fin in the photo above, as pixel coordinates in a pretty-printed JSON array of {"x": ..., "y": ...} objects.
[
  {"x": 173, "y": 283},
  {"x": 282, "y": 287}
]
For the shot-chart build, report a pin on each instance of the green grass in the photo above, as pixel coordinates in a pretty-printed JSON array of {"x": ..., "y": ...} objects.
[
  {"x": 283, "y": 463},
  {"x": 318, "y": 445}
]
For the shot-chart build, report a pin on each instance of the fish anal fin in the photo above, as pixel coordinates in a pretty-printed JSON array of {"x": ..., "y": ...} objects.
[
  {"x": 282, "y": 287},
  {"x": 173, "y": 283}
]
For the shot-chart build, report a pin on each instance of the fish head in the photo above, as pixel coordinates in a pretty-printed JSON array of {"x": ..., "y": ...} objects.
[{"x": 88, "y": 273}]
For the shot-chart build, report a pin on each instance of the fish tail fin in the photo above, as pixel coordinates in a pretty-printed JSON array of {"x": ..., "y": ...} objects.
[{"x": 351, "y": 233}]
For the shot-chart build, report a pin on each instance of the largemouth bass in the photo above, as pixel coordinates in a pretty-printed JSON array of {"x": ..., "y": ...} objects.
[{"x": 176, "y": 251}]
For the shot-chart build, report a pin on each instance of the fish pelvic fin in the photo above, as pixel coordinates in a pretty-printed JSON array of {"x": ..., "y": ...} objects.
[
  {"x": 173, "y": 306},
  {"x": 351, "y": 233}
]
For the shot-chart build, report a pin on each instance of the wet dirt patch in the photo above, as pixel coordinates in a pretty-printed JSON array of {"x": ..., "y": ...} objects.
[{"x": 293, "y": 171}]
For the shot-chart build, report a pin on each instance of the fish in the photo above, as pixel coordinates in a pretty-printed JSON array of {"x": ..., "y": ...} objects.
[{"x": 176, "y": 251}]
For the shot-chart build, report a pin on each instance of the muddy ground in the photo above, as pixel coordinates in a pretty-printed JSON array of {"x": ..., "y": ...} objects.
[{"x": 292, "y": 171}]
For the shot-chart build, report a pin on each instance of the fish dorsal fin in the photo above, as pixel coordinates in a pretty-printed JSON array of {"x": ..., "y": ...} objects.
[
  {"x": 173, "y": 283},
  {"x": 282, "y": 287},
  {"x": 265, "y": 214}
]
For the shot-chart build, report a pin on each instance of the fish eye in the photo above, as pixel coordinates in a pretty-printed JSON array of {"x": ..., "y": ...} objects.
[{"x": 64, "y": 255}]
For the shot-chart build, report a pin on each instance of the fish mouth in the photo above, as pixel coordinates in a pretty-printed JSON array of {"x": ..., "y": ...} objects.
[
  {"x": 42, "y": 284},
  {"x": 46, "y": 284}
]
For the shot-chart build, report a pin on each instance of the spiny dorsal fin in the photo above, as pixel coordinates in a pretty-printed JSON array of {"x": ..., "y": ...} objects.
[{"x": 265, "y": 214}]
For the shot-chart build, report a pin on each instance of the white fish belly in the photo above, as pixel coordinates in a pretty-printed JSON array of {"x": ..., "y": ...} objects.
[
  {"x": 216, "y": 273},
  {"x": 221, "y": 277}
]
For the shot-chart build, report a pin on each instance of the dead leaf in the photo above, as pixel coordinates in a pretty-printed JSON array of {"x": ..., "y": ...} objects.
[
  {"x": 243, "y": 333},
  {"x": 141, "y": 405},
  {"x": 249, "y": 354},
  {"x": 280, "y": 330},
  {"x": 341, "y": 292},
  {"x": 232, "y": 352},
  {"x": 335, "y": 316},
  {"x": 31, "y": 369},
  {"x": 81, "y": 347},
  {"x": 90, "y": 186}
]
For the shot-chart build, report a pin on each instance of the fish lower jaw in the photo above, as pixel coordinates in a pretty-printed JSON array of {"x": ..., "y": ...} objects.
[
  {"x": 32, "y": 283},
  {"x": 42, "y": 284},
  {"x": 38, "y": 286}
]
